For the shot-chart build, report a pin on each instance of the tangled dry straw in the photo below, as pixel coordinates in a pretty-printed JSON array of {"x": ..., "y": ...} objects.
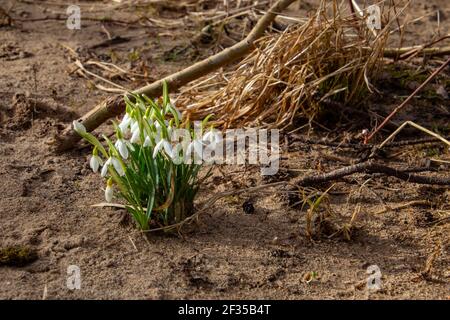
[{"x": 331, "y": 56}]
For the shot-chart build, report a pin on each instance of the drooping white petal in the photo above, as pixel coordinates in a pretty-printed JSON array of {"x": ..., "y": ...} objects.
[
  {"x": 105, "y": 167},
  {"x": 79, "y": 127},
  {"x": 122, "y": 147},
  {"x": 94, "y": 163},
  {"x": 108, "y": 193},
  {"x": 117, "y": 166},
  {"x": 167, "y": 148},
  {"x": 125, "y": 123},
  {"x": 135, "y": 127},
  {"x": 135, "y": 137},
  {"x": 147, "y": 141},
  {"x": 157, "y": 137},
  {"x": 158, "y": 147}
]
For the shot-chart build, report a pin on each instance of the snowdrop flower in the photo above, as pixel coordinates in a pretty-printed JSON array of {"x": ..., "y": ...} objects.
[
  {"x": 116, "y": 163},
  {"x": 135, "y": 137},
  {"x": 79, "y": 127},
  {"x": 134, "y": 127},
  {"x": 157, "y": 137},
  {"x": 147, "y": 141},
  {"x": 157, "y": 125},
  {"x": 124, "y": 125},
  {"x": 165, "y": 145},
  {"x": 122, "y": 147},
  {"x": 95, "y": 162},
  {"x": 105, "y": 168},
  {"x": 118, "y": 166},
  {"x": 109, "y": 191}
]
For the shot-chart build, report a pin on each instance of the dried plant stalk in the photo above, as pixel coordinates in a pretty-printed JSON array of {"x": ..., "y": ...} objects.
[{"x": 330, "y": 56}]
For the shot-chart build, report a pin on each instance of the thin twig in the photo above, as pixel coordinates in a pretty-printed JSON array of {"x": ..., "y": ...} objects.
[
  {"x": 402, "y": 206},
  {"x": 398, "y": 108},
  {"x": 415, "y": 125}
]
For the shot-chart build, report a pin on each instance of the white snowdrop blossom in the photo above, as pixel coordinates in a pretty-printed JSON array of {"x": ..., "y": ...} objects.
[
  {"x": 134, "y": 126},
  {"x": 144, "y": 164},
  {"x": 118, "y": 166},
  {"x": 95, "y": 162},
  {"x": 122, "y": 148},
  {"x": 109, "y": 191},
  {"x": 136, "y": 136},
  {"x": 105, "y": 168},
  {"x": 147, "y": 142},
  {"x": 163, "y": 144},
  {"x": 79, "y": 127},
  {"x": 125, "y": 124}
]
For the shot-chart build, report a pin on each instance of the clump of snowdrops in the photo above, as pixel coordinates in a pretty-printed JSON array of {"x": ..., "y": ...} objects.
[{"x": 150, "y": 165}]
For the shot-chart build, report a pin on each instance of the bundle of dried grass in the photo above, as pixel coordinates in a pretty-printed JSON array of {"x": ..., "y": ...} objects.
[{"x": 331, "y": 56}]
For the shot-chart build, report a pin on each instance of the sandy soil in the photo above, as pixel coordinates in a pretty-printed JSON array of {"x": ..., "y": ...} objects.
[{"x": 45, "y": 197}]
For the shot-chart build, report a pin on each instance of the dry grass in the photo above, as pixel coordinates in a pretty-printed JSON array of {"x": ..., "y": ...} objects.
[{"x": 333, "y": 55}]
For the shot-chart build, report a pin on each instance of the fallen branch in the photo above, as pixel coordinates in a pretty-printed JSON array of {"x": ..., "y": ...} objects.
[
  {"x": 426, "y": 49},
  {"x": 369, "y": 167},
  {"x": 405, "y": 52},
  {"x": 115, "y": 105}
]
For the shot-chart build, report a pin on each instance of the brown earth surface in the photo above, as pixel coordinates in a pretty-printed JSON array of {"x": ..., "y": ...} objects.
[{"x": 46, "y": 198}]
